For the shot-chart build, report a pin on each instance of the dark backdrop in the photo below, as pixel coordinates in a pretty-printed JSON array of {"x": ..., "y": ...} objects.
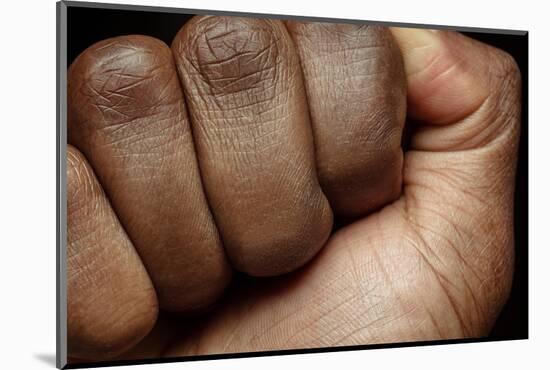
[{"x": 88, "y": 25}]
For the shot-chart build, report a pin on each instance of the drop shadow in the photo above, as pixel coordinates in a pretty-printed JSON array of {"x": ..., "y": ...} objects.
[{"x": 47, "y": 358}]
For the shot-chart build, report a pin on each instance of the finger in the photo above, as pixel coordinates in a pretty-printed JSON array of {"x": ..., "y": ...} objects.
[
  {"x": 356, "y": 92},
  {"x": 458, "y": 83},
  {"x": 248, "y": 109},
  {"x": 127, "y": 115},
  {"x": 111, "y": 300},
  {"x": 459, "y": 175}
]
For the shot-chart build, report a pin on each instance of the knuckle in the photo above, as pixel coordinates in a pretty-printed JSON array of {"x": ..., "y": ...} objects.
[
  {"x": 233, "y": 54},
  {"x": 118, "y": 80}
]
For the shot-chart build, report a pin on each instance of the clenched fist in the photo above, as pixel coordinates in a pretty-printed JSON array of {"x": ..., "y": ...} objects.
[{"x": 243, "y": 145}]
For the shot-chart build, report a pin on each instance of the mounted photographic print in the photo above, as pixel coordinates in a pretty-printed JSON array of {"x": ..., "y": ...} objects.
[{"x": 237, "y": 184}]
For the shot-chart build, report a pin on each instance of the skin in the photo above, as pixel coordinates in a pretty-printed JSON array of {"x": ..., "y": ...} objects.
[
  {"x": 356, "y": 90},
  {"x": 102, "y": 319},
  {"x": 247, "y": 102},
  {"x": 128, "y": 117},
  {"x": 274, "y": 131}
]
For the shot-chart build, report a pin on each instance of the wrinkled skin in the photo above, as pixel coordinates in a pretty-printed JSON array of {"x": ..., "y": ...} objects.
[{"x": 242, "y": 147}]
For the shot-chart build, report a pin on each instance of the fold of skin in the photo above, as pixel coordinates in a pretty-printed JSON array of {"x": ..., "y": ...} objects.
[
  {"x": 435, "y": 263},
  {"x": 251, "y": 128},
  {"x": 127, "y": 116}
]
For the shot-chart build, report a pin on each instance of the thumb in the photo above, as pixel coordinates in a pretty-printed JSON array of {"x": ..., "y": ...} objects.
[
  {"x": 459, "y": 174},
  {"x": 470, "y": 88}
]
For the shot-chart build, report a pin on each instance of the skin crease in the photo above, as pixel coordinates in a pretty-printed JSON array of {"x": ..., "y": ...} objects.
[
  {"x": 127, "y": 116},
  {"x": 102, "y": 319},
  {"x": 357, "y": 100},
  {"x": 436, "y": 263},
  {"x": 251, "y": 127}
]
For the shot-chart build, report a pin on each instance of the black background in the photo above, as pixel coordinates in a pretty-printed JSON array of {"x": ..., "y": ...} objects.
[{"x": 88, "y": 25}]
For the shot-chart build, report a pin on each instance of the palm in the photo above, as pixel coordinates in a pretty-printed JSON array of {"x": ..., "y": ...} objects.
[
  {"x": 405, "y": 272},
  {"x": 434, "y": 264}
]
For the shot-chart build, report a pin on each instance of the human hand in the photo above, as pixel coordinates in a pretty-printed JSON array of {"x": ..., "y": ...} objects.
[{"x": 289, "y": 126}]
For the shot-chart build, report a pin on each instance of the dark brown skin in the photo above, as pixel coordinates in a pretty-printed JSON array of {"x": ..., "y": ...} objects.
[
  {"x": 127, "y": 116},
  {"x": 236, "y": 149},
  {"x": 119, "y": 316},
  {"x": 251, "y": 127},
  {"x": 357, "y": 100}
]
